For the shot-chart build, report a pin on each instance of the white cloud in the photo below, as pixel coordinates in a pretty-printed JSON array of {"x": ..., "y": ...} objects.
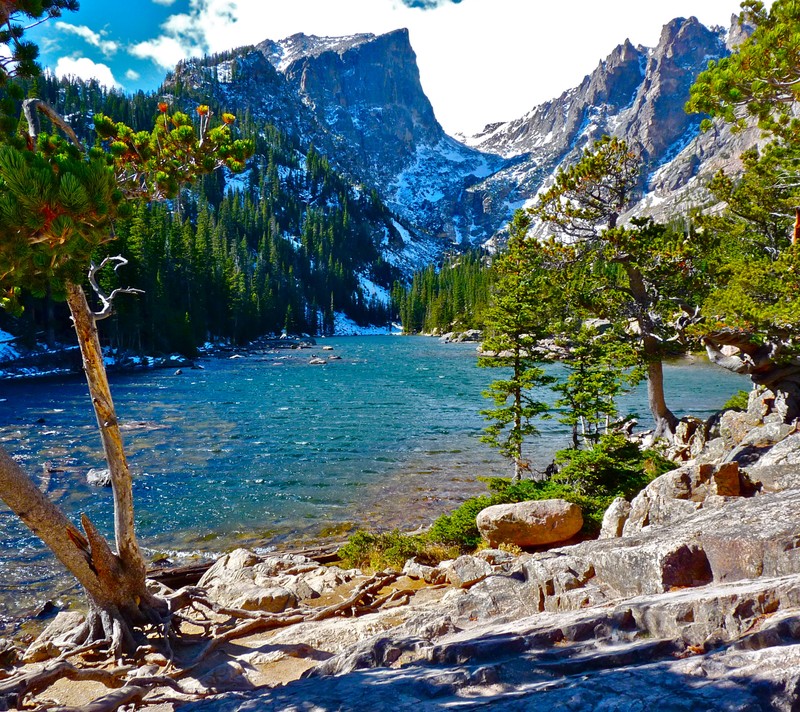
[
  {"x": 165, "y": 51},
  {"x": 189, "y": 34},
  {"x": 165, "y": 3},
  {"x": 107, "y": 47},
  {"x": 85, "y": 68},
  {"x": 133, "y": 75}
]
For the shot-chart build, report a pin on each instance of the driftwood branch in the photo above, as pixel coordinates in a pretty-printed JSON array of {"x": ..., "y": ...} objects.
[
  {"x": 30, "y": 107},
  {"x": 107, "y": 300}
]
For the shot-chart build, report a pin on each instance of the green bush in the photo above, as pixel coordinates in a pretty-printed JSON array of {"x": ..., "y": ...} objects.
[
  {"x": 615, "y": 467},
  {"x": 459, "y": 528},
  {"x": 365, "y": 550},
  {"x": 738, "y": 401}
]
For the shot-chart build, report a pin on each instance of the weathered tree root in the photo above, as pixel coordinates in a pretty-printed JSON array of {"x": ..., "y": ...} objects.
[
  {"x": 107, "y": 632},
  {"x": 133, "y": 693},
  {"x": 15, "y": 689}
]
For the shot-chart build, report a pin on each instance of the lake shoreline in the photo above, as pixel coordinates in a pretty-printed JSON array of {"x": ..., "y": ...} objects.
[{"x": 279, "y": 453}]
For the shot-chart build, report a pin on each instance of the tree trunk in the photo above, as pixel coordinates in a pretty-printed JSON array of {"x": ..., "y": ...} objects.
[
  {"x": 765, "y": 364},
  {"x": 47, "y": 521},
  {"x": 121, "y": 480},
  {"x": 115, "y": 582},
  {"x": 665, "y": 420},
  {"x": 517, "y": 418},
  {"x": 119, "y": 601}
]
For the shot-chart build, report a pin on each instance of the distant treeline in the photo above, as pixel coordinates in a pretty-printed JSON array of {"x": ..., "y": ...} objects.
[{"x": 454, "y": 297}]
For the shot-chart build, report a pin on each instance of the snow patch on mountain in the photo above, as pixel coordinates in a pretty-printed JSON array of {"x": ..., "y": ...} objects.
[
  {"x": 283, "y": 53},
  {"x": 413, "y": 253},
  {"x": 374, "y": 291},
  {"x": 345, "y": 326}
]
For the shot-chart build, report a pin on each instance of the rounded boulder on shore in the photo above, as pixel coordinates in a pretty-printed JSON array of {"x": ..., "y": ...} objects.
[{"x": 533, "y": 523}]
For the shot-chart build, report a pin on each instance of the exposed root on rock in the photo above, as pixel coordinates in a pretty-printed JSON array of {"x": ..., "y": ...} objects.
[{"x": 163, "y": 634}]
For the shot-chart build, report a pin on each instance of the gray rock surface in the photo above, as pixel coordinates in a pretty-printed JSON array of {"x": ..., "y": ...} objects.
[
  {"x": 430, "y": 574},
  {"x": 9, "y": 653},
  {"x": 243, "y": 580},
  {"x": 698, "y": 609},
  {"x": 614, "y": 518},
  {"x": 715, "y": 648},
  {"x": 679, "y": 493},
  {"x": 534, "y": 523},
  {"x": 465, "y": 571}
]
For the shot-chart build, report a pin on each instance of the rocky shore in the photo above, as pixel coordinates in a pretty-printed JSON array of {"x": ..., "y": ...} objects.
[
  {"x": 64, "y": 360},
  {"x": 690, "y": 601}
]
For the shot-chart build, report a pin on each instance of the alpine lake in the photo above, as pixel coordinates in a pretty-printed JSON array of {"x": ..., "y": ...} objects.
[{"x": 266, "y": 450}]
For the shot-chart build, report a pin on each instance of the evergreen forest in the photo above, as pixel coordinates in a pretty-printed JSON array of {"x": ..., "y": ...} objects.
[{"x": 284, "y": 246}]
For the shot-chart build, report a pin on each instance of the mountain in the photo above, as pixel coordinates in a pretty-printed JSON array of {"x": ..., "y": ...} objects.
[
  {"x": 635, "y": 93},
  {"x": 359, "y": 101}
]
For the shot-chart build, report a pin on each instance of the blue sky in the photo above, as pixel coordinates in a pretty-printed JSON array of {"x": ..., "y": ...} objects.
[{"x": 480, "y": 60}]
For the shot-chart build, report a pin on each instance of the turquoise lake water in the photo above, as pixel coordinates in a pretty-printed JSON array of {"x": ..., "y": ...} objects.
[{"x": 267, "y": 449}]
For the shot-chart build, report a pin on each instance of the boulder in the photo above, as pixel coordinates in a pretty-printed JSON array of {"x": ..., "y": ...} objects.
[
  {"x": 714, "y": 452},
  {"x": 679, "y": 493},
  {"x": 778, "y": 468},
  {"x": 734, "y": 425},
  {"x": 465, "y": 571},
  {"x": 766, "y": 406},
  {"x": 271, "y": 600},
  {"x": 229, "y": 568},
  {"x": 243, "y": 580},
  {"x": 98, "y": 477},
  {"x": 690, "y": 438},
  {"x": 614, "y": 518},
  {"x": 9, "y": 654},
  {"x": 429, "y": 574},
  {"x": 533, "y": 523}
]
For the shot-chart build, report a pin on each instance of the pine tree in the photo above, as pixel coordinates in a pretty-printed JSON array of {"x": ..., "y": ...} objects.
[
  {"x": 754, "y": 307},
  {"x": 516, "y": 321},
  {"x": 640, "y": 273}
]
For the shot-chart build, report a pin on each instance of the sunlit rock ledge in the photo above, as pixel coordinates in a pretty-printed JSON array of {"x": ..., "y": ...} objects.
[{"x": 698, "y": 607}]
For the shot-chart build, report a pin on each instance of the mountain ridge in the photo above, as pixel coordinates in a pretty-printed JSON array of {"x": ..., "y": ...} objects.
[{"x": 358, "y": 99}]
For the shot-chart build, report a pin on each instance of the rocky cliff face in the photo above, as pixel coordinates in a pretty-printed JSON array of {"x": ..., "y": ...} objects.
[
  {"x": 366, "y": 91},
  {"x": 636, "y": 93},
  {"x": 358, "y": 99}
]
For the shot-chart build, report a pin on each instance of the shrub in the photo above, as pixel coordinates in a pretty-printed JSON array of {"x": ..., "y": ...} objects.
[
  {"x": 738, "y": 401},
  {"x": 615, "y": 467},
  {"x": 365, "y": 550},
  {"x": 459, "y": 528}
]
